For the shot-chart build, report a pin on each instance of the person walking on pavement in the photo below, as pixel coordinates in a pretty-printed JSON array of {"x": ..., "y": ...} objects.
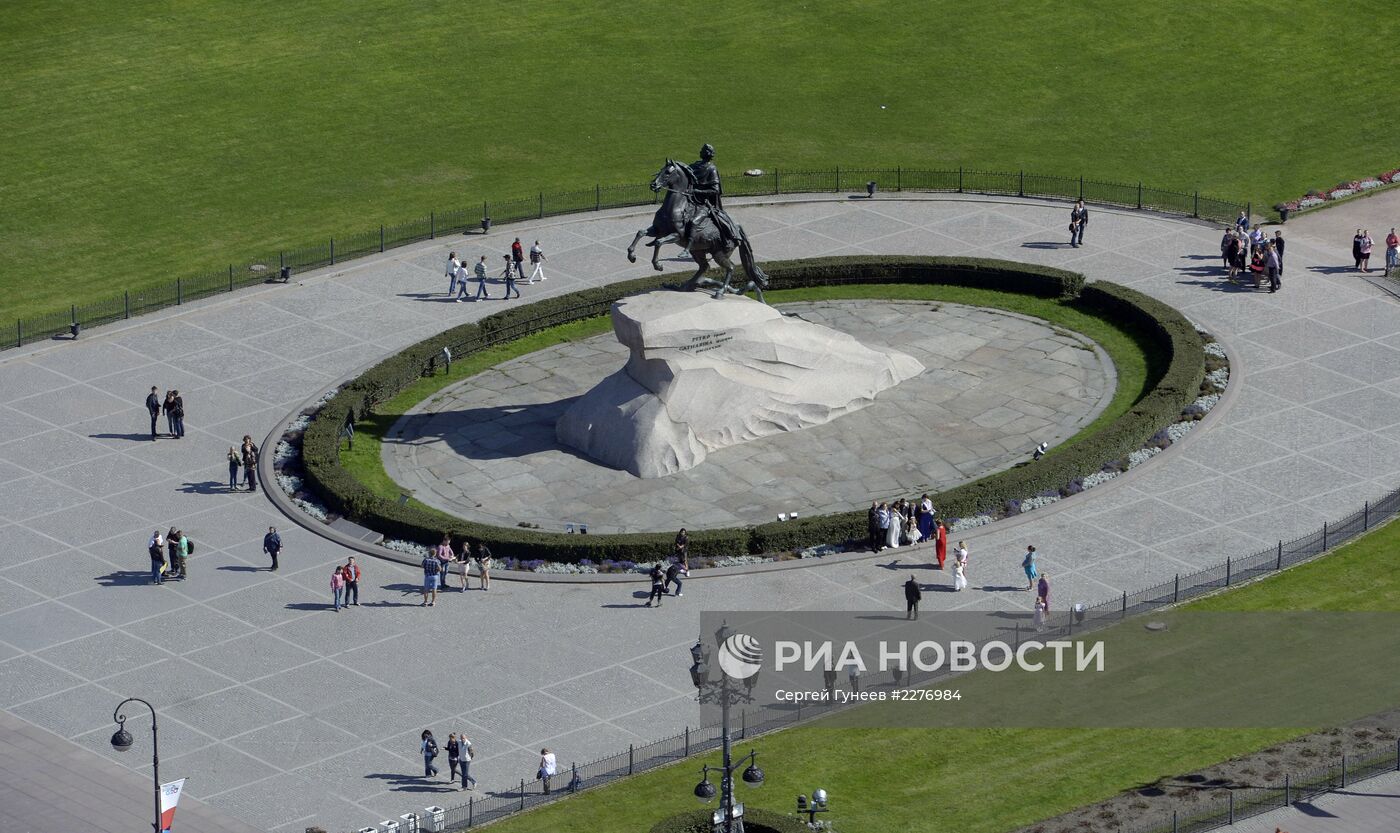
[
  {"x": 1392, "y": 253},
  {"x": 429, "y": 748},
  {"x": 1028, "y": 565},
  {"x": 1078, "y": 220},
  {"x": 537, "y": 258},
  {"x": 1278, "y": 249},
  {"x": 509, "y": 277},
  {"x": 250, "y": 463},
  {"x": 234, "y": 461},
  {"x": 454, "y": 273},
  {"x": 272, "y": 545},
  {"x": 445, "y": 557},
  {"x": 912, "y": 596},
  {"x": 658, "y": 585},
  {"x": 465, "y": 753},
  {"x": 549, "y": 767},
  {"x": 674, "y": 574},
  {"x": 453, "y": 753},
  {"x": 1043, "y": 591},
  {"x": 431, "y": 577},
  {"x": 480, "y": 272},
  {"x": 337, "y": 585},
  {"x": 168, "y": 406},
  {"x": 179, "y": 412},
  {"x": 483, "y": 563},
  {"x": 156, "y": 548},
  {"x": 352, "y": 582},
  {"x": 1366, "y": 245},
  {"x": 517, "y": 258},
  {"x": 153, "y": 407}
]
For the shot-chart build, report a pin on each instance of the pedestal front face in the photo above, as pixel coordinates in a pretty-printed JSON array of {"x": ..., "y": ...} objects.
[{"x": 704, "y": 374}]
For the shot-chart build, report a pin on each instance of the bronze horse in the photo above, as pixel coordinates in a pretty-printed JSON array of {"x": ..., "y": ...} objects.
[{"x": 688, "y": 223}]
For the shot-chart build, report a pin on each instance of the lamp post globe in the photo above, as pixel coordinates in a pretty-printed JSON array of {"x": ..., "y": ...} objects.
[
  {"x": 819, "y": 797},
  {"x": 705, "y": 791},
  {"x": 753, "y": 776},
  {"x": 121, "y": 740}
]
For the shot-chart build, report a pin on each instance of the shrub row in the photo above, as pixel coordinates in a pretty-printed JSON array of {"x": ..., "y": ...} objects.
[{"x": 1170, "y": 336}]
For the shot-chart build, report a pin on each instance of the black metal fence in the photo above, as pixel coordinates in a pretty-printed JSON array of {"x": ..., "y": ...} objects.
[
  {"x": 767, "y": 718},
  {"x": 269, "y": 265}
]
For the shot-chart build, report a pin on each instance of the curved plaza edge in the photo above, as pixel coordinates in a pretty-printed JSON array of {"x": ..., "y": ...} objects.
[{"x": 1311, "y": 372}]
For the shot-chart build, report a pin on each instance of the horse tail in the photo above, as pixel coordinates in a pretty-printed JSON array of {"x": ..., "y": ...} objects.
[{"x": 750, "y": 266}]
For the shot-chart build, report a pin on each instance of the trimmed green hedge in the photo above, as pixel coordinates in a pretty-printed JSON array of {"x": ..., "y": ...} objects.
[
  {"x": 756, "y": 820},
  {"x": 1178, "y": 381}
]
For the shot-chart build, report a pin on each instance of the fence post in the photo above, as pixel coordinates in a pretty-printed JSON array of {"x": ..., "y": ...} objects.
[
  {"x": 1278, "y": 564},
  {"x": 1176, "y": 590},
  {"x": 1125, "y": 604},
  {"x": 1397, "y": 754},
  {"x": 1017, "y": 642},
  {"x": 960, "y": 184},
  {"x": 1344, "y": 772},
  {"x": 743, "y": 724},
  {"x": 1232, "y": 806},
  {"x": 1227, "y": 570},
  {"x": 1174, "y": 821},
  {"x": 1196, "y": 205},
  {"x": 573, "y": 777},
  {"x": 630, "y": 757},
  {"x": 597, "y": 197},
  {"x": 180, "y": 291},
  {"x": 1366, "y": 516},
  {"x": 838, "y": 179},
  {"x": 777, "y": 186},
  {"x": 126, "y": 303},
  {"x": 432, "y": 225},
  {"x": 1081, "y": 196},
  {"x": 471, "y": 809},
  {"x": 1139, "y": 209},
  {"x": 332, "y": 251},
  {"x": 1287, "y": 791},
  {"x": 541, "y": 205},
  {"x": 1324, "y": 536},
  {"x": 522, "y": 793},
  {"x": 230, "y": 277},
  {"x": 19, "y": 332},
  {"x": 687, "y": 742},
  {"x": 1021, "y": 188},
  {"x": 899, "y": 178},
  {"x": 72, "y": 314},
  {"x": 281, "y": 261},
  {"x": 381, "y": 238}
]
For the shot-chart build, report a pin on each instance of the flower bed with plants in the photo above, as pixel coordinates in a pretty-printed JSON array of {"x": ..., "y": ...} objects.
[
  {"x": 1340, "y": 191},
  {"x": 1179, "y": 395}
]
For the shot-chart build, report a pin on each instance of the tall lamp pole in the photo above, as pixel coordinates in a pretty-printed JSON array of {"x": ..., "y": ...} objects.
[
  {"x": 121, "y": 741},
  {"x": 722, "y": 691}
]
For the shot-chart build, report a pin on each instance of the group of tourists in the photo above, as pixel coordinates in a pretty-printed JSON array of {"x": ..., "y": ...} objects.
[
  {"x": 437, "y": 567},
  {"x": 345, "y": 584},
  {"x": 903, "y": 522},
  {"x": 675, "y": 570},
  {"x": 173, "y": 406},
  {"x": 460, "y": 753},
  {"x": 1247, "y": 252},
  {"x": 458, "y": 275},
  {"x": 1361, "y": 245},
  {"x": 246, "y": 458},
  {"x": 169, "y": 555}
]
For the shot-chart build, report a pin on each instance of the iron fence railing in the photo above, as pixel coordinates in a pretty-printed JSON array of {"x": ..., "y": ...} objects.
[
  {"x": 271, "y": 265},
  {"x": 1238, "y": 804}
]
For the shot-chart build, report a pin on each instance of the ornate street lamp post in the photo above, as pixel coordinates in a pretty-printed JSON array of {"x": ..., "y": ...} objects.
[
  {"x": 730, "y": 817},
  {"x": 121, "y": 741}
]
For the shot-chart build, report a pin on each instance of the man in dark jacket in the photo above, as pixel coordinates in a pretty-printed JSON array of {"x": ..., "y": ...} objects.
[
  {"x": 675, "y": 573},
  {"x": 912, "y": 596},
  {"x": 1078, "y": 219},
  {"x": 272, "y": 545},
  {"x": 153, "y": 405}
]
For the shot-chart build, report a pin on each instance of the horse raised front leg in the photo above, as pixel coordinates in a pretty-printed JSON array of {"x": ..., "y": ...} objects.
[{"x": 632, "y": 249}]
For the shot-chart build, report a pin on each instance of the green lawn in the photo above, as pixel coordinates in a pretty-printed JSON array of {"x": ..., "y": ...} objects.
[
  {"x": 987, "y": 780},
  {"x": 1131, "y": 360},
  {"x": 149, "y": 140}
]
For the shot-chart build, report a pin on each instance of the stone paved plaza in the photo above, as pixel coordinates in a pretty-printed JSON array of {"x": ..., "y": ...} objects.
[
  {"x": 282, "y": 713},
  {"x": 994, "y": 385}
]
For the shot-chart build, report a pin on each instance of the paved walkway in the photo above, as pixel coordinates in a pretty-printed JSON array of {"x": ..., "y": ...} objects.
[
  {"x": 282, "y": 713},
  {"x": 994, "y": 385},
  {"x": 1373, "y": 806}
]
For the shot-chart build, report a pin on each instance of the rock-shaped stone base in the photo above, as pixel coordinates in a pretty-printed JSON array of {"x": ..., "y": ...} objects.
[{"x": 706, "y": 373}]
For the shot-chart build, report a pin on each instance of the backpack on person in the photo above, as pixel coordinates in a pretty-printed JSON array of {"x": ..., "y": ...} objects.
[
  {"x": 432, "y": 748},
  {"x": 189, "y": 547}
]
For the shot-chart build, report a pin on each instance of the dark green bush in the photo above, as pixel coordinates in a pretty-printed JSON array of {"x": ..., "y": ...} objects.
[
  {"x": 1174, "y": 343},
  {"x": 756, "y": 820}
]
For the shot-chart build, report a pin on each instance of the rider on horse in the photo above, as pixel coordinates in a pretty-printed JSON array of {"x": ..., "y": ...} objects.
[{"x": 708, "y": 191}]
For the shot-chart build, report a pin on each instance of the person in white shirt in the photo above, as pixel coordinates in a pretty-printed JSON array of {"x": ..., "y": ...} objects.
[
  {"x": 454, "y": 272},
  {"x": 464, "y": 761},
  {"x": 548, "y": 767},
  {"x": 537, "y": 257},
  {"x": 960, "y": 554}
]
